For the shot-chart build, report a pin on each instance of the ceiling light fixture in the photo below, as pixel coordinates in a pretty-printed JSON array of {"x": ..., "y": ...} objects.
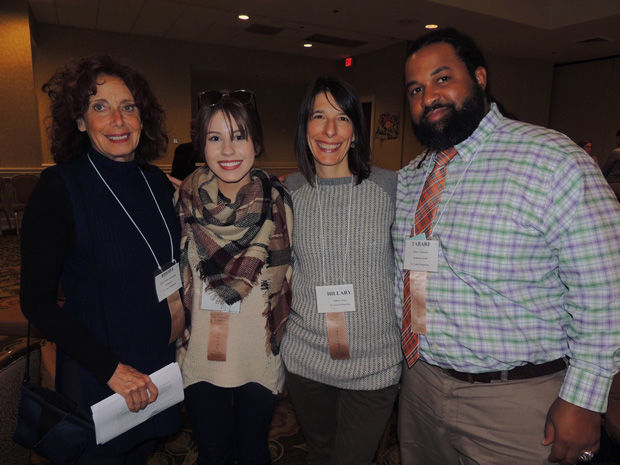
[
  {"x": 243, "y": 17},
  {"x": 431, "y": 26},
  {"x": 307, "y": 45}
]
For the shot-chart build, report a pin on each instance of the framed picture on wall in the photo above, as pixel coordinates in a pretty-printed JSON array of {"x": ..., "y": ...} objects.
[{"x": 388, "y": 126}]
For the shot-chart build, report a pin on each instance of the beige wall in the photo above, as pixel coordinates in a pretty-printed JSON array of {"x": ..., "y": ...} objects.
[
  {"x": 19, "y": 131},
  {"x": 378, "y": 76},
  {"x": 162, "y": 62},
  {"x": 586, "y": 103},
  {"x": 279, "y": 82},
  {"x": 277, "y": 101},
  {"x": 178, "y": 70},
  {"x": 522, "y": 86}
]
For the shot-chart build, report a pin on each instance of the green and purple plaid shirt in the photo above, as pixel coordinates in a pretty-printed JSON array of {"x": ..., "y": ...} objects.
[{"x": 529, "y": 258}]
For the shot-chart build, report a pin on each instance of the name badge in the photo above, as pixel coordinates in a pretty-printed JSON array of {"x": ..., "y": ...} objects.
[
  {"x": 421, "y": 254},
  {"x": 211, "y": 302},
  {"x": 337, "y": 298},
  {"x": 168, "y": 280}
]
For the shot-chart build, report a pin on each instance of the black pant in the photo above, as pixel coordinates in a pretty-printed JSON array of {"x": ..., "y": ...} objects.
[
  {"x": 137, "y": 456},
  {"x": 231, "y": 425},
  {"x": 341, "y": 426}
]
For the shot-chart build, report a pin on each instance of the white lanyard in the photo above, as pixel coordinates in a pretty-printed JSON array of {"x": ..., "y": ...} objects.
[
  {"x": 445, "y": 205},
  {"x": 131, "y": 219},
  {"x": 322, "y": 238}
]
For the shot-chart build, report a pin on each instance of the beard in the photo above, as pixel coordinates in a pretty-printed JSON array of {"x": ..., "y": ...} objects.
[{"x": 456, "y": 126}]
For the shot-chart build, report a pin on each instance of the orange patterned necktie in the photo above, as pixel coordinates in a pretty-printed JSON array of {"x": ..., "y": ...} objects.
[{"x": 424, "y": 215}]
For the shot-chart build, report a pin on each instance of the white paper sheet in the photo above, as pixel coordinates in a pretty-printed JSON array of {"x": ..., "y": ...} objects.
[{"x": 112, "y": 417}]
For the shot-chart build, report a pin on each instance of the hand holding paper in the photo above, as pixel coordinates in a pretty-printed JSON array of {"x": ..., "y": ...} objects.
[
  {"x": 112, "y": 417},
  {"x": 137, "y": 388}
]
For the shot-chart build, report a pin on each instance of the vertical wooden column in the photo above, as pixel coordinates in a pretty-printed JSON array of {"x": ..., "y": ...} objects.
[{"x": 20, "y": 139}]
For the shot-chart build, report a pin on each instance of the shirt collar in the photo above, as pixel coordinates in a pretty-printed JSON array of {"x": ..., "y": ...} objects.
[{"x": 468, "y": 148}]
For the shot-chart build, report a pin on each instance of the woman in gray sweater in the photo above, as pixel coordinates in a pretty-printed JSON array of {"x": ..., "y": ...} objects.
[{"x": 341, "y": 347}]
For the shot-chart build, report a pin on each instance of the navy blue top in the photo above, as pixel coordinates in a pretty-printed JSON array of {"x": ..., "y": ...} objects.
[{"x": 74, "y": 229}]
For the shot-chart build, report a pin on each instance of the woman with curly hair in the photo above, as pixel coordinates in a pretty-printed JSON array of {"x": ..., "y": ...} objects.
[{"x": 101, "y": 223}]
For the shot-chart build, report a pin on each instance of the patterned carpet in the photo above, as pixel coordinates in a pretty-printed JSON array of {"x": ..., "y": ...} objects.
[{"x": 9, "y": 271}]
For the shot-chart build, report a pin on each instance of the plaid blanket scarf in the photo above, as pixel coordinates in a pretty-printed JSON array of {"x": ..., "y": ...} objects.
[{"x": 235, "y": 241}]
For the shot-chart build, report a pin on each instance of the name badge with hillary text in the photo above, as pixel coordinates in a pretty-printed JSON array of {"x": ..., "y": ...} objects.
[
  {"x": 421, "y": 254},
  {"x": 167, "y": 280},
  {"x": 336, "y": 298},
  {"x": 211, "y": 302}
]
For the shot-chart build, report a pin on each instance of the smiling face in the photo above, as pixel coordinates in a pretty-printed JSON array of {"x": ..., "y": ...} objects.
[
  {"x": 112, "y": 119},
  {"x": 446, "y": 104},
  {"x": 229, "y": 154},
  {"x": 329, "y": 136}
]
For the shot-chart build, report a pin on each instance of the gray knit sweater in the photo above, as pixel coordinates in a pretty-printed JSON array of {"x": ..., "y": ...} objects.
[{"x": 374, "y": 336}]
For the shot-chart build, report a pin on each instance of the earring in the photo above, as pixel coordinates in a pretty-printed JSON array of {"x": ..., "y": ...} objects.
[{"x": 353, "y": 144}]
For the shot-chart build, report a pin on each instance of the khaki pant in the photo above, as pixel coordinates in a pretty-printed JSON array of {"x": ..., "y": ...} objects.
[{"x": 445, "y": 421}]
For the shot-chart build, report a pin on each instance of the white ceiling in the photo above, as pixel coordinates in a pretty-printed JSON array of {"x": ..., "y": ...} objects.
[{"x": 551, "y": 30}]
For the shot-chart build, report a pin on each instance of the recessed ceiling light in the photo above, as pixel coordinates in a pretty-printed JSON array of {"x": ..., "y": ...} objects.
[
  {"x": 307, "y": 45},
  {"x": 431, "y": 26},
  {"x": 243, "y": 17}
]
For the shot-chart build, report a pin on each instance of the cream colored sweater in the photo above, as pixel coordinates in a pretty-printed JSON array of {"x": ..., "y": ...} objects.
[{"x": 248, "y": 355}]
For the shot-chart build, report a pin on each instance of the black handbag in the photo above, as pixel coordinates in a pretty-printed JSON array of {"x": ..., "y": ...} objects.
[{"x": 52, "y": 425}]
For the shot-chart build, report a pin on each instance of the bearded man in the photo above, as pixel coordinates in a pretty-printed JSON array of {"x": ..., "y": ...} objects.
[{"x": 507, "y": 243}]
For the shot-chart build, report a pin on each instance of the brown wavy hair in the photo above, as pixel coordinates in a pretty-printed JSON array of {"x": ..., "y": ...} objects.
[{"x": 70, "y": 89}]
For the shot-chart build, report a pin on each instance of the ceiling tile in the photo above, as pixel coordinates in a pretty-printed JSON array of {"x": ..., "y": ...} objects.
[
  {"x": 78, "y": 13},
  {"x": 548, "y": 30},
  {"x": 119, "y": 15},
  {"x": 43, "y": 11},
  {"x": 157, "y": 17}
]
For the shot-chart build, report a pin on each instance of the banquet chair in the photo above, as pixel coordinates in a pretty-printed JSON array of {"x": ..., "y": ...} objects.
[
  {"x": 23, "y": 184},
  {"x": 12, "y": 365},
  {"x": 4, "y": 201}
]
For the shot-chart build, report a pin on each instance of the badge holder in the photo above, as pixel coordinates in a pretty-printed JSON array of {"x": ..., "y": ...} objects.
[
  {"x": 421, "y": 258},
  {"x": 219, "y": 323},
  {"x": 167, "y": 278},
  {"x": 218, "y": 336},
  {"x": 167, "y": 285},
  {"x": 334, "y": 302}
]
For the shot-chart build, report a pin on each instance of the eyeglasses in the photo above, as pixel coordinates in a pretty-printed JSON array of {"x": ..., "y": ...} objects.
[{"x": 213, "y": 97}]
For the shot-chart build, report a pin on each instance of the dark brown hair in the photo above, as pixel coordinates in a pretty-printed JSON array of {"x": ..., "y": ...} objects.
[
  {"x": 70, "y": 89},
  {"x": 465, "y": 48},
  {"x": 244, "y": 114},
  {"x": 346, "y": 98}
]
